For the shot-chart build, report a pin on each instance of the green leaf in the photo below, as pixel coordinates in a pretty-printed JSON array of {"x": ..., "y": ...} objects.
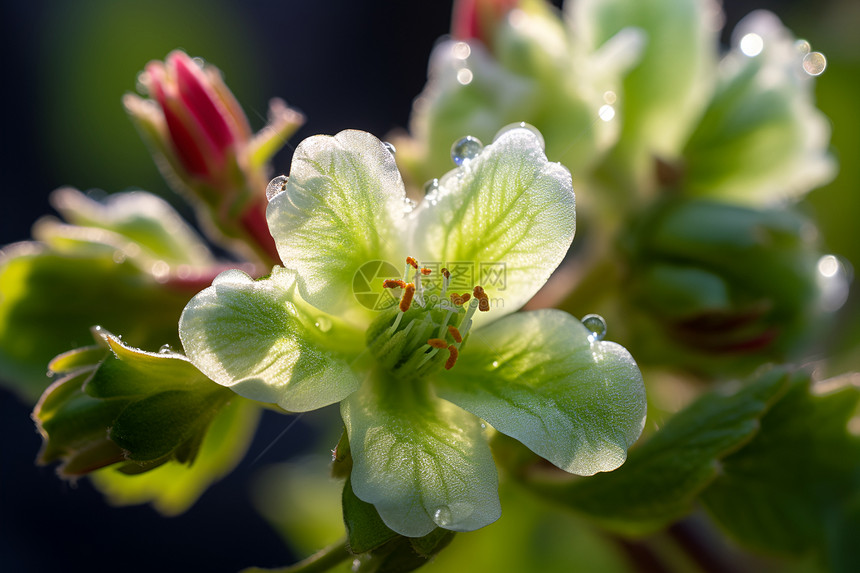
[
  {"x": 173, "y": 487},
  {"x": 364, "y": 528},
  {"x": 662, "y": 478},
  {"x": 262, "y": 341},
  {"x": 419, "y": 460},
  {"x": 536, "y": 376},
  {"x": 49, "y": 301},
  {"x": 508, "y": 213},
  {"x": 790, "y": 489},
  {"x": 343, "y": 207},
  {"x": 138, "y": 216}
]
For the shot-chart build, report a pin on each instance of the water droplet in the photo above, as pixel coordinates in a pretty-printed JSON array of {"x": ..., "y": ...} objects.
[
  {"x": 751, "y": 44},
  {"x": 408, "y": 205},
  {"x": 465, "y": 76},
  {"x": 495, "y": 363},
  {"x": 522, "y": 125},
  {"x": 803, "y": 47},
  {"x": 442, "y": 516},
  {"x": 610, "y": 97},
  {"x": 465, "y": 149},
  {"x": 118, "y": 257},
  {"x": 276, "y": 186},
  {"x": 431, "y": 186},
  {"x": 461, "y": 50},
  {"x": 356, "y": 564},
  {"x": 201, "y": 63},
  {"x": 606, "y": 112},
  {"x": 596, "y": 325},
  {"x": 165, "y": 349},
  {"x": 833, "y": 281},
  {"x": 814, "y": 63},
  {"x": 483, "y": 426},
  {"x": 390, "y": 147},
  {"x": 334, "y": 455},
  {"x": 323, "y": 323}
]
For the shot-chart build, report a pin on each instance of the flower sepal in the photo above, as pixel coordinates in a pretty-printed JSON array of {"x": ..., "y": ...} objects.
[{"x": 140, "y": 412}]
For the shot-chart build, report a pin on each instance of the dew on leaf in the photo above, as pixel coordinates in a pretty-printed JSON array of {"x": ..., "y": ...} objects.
[
  {"x": 276, "y": 186},
  {"x": 466, "y": 149},
  {"x": 596, "y": 325}
]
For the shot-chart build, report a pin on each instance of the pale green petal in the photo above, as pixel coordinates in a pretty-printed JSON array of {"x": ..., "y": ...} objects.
[
  {"x": 507, "y": 217},
  {"x": 422, "y": 461},
  {"x": 260, "y": 339},
  {"x": 537, "y": 377},
  {"x": 343, "y": 207}
]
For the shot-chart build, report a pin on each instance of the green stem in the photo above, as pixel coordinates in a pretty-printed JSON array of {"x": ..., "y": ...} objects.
[{"x": 322, "y": 560}]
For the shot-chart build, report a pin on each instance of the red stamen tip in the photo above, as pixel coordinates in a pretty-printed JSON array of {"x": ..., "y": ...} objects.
[
  {"x": 406, "y": 300},
  {"x": 453, "y": 353},
  {"x": 393, "y": 283},
  {"x": 437, "y": 343},
  {"x": 412, "y": 262},
  {"x": 455, "y": 334},
  {"x": 446, "y": 273},
  {"x": 425, "y": 271}
]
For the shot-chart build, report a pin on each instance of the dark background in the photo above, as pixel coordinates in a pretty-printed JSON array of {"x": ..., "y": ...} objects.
[{"x": 65, "y": 65}]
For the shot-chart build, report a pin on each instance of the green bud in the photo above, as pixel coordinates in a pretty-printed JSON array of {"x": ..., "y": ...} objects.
[
  {"x": 725, "y": 280},
  {"x": 124, "y": 405},
  {"x": 761, "y": 137}
]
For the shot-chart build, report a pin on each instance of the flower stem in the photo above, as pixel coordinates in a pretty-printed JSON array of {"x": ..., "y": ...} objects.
[{"x": 322, "y": 560}]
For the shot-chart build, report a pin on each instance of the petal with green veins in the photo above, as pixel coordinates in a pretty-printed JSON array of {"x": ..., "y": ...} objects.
[
  {"x": 508, "y": 208},
  {"x": 537, "y": 377},
  {"x": 422, "y": 461},
  {"x": 260, "y": 339},
  {"x": 343, "y": 207}
]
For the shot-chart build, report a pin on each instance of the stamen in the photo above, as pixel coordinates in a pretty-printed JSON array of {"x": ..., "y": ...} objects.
[
  {"x": 483, "y": 299},
  {"x": 412, "y": 262},
  {"x": 455, "y": 334},
  {"x": 453, "y": 353},
  {"x": 460, "y": 299},
  {"x": 406, "y": 299},
  {"x": 394, "y": 283},
  {"x": 437, "y": 343},
  {"x": 425, "y": 271},
  {"x": 446, "y": 277}
]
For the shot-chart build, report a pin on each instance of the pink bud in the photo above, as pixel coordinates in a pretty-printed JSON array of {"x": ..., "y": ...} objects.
[{"x": 478, "y": 19}]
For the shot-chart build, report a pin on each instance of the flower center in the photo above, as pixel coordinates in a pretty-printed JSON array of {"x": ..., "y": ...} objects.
[{"x": 424, "y": 333}]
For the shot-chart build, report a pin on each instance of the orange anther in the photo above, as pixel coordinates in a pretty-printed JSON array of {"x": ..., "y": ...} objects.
[
  {"x": 483, "y": 299},
  {"x": 466, "y": 296},
  {"x": 452, "y": 357},
  {"x": 393, "y": 283},
  {"x": 455, "y": 333},
  {"x": 437, "y": 343},
  {"x": 412, "y": 262},
  {"x": 406, "y": 299},
  {"x": 446, "y": 273},
  {"x": 425, "y": 271}
]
